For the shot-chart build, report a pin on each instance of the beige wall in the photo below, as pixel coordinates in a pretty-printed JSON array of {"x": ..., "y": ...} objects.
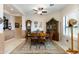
[
  {"x": 1, "y": 31},
  {"x": 23, "y": 26},
  {"x": 18, "y": 31},
  {"x": 1, "y": 43}
]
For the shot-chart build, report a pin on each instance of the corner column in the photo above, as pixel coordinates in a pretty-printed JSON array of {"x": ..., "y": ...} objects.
[{"x": 1, "y": 31}]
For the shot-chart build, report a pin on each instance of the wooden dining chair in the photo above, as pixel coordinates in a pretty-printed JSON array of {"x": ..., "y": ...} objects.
[{"x": 42, "y": 39}]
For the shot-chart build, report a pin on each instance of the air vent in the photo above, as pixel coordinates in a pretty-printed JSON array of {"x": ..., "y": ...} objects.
[{"x": 51, "y": 4}]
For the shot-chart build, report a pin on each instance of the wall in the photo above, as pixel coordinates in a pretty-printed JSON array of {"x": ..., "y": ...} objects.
[
  {"x": 9, "y": 34},
  {"x": 1, "y": 31},
  {"x": 23, "y": 26},
  {"x": 11, "y": 20},
  {"x": 39, "y": 19},
  {"x": 1, "y": 15},
  {"x": 18, "y": 31}
]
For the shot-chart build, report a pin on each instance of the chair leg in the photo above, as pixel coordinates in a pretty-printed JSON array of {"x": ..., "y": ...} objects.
[
  {"x": 39, "y": 45},
  {"x": 30, "y": 44},
  {"x": 44, "y": 45}
]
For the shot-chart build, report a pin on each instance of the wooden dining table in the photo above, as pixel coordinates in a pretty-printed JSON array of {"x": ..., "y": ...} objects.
[{"x": 37, "y": 39}]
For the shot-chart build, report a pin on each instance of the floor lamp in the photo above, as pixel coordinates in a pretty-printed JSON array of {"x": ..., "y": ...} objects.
[{"x": 71, "y": 24}]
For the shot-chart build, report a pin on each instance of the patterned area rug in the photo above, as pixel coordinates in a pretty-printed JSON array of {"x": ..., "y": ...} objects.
[{"x": 48, "y": 48}]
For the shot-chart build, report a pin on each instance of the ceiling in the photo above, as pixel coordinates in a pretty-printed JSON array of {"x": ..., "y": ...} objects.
[
  {"x": 27, "y": 9},
  {"x": 10, "y": 9}
]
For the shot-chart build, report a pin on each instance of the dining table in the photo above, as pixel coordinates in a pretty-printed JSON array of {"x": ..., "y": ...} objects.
[{"x": 37, "y": 39}]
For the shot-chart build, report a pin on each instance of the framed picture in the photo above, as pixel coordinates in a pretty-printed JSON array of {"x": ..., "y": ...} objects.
[
  {"x": 36, "y": 24},
  {"x": 16, "y": 25},
  {"x": 9, "y": 26}
]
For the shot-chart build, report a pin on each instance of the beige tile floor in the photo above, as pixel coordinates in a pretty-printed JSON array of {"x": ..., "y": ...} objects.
[
  {"x": 11, "y": 44},
  {"x": 51, "y": 48}
]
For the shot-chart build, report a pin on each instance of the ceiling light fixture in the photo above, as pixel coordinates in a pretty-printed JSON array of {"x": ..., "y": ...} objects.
[{"x": 40, "y": 10}]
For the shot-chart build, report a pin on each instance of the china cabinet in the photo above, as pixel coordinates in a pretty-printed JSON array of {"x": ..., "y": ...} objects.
[{"x": 52, "y": 29}]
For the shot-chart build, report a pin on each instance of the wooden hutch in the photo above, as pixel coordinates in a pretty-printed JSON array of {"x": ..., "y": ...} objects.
[{"x": 52, "y": 29}]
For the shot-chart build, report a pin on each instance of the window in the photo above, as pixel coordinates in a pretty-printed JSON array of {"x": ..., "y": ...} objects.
[{"x": 66, "y": 29}]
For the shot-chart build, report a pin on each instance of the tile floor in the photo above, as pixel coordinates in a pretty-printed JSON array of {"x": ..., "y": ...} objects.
[
  {"x": 11, "y": 44},
  {"x": 51, "y": 48}
]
